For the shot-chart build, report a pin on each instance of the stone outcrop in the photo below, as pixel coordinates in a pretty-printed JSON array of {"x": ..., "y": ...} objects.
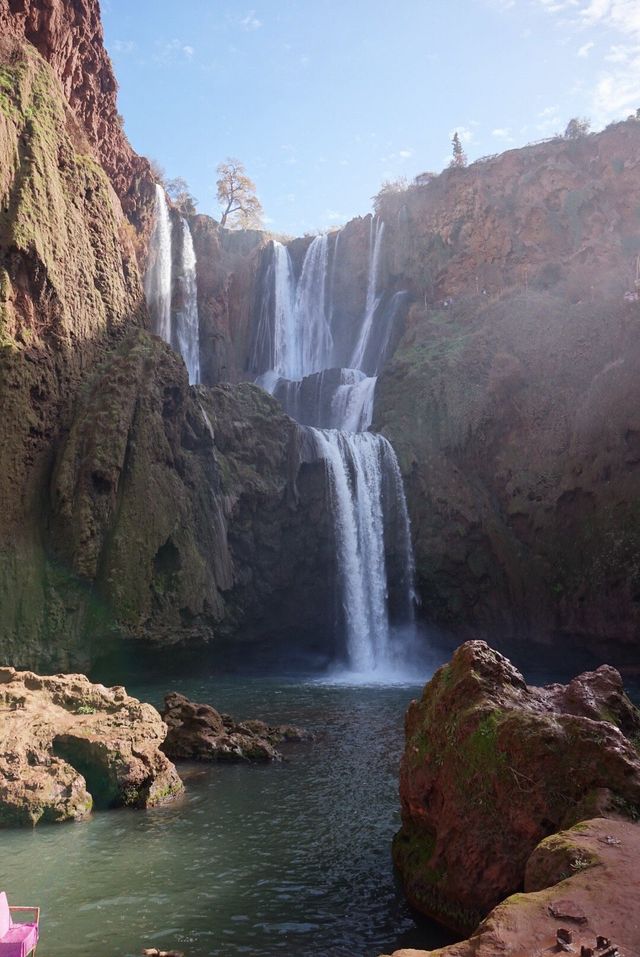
[
  {"x": 199, "y": 732},
  {"x": 580, "y": 888},
  {"x": 491, "y": 767},
  {"x": 68, "y": 35},
  {"x": 67, "y": 745}
]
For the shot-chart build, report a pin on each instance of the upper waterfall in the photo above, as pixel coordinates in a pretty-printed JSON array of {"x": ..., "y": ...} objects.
[
  {"x": 376, "y": 232},
  {"x": 170, "y": 286},
  {"x": 157, "y": 279},
  {"x": 187, "y": 324}
]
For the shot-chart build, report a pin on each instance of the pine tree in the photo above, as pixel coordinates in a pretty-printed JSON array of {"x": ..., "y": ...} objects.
[{"x": 459, "y": 155}]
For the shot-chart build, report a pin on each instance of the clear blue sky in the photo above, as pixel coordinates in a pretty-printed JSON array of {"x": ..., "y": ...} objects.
[{"x": 324, "y": 99}]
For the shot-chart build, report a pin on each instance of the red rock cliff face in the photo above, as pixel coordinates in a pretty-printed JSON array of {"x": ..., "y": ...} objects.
[{"x": 69, "y": 35}]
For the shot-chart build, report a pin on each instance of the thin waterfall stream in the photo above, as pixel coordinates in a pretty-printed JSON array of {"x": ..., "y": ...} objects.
[{"x": 170, "y": 286}]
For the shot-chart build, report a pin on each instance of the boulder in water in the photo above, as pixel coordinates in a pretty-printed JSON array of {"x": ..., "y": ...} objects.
[{"x": 199, "y": 732}]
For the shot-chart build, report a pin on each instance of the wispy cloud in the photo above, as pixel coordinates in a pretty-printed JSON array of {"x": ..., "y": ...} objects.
[
  {"x": 251, "y": 22},
  {"x": 502, "y": 133},
  {"x": 617, "y": 87},
  {"x": 124, "y": 46},
  {"x": 466, "y": 135},
  {"x": 172, "y": 50}
]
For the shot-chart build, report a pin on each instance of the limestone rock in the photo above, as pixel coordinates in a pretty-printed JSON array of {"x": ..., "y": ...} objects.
[
  {"x": 198, "y": 731},
  {"x": 591, "y": 897},
  {"x": 491, "y": 767},
  {"x": 67, "y": 745}
]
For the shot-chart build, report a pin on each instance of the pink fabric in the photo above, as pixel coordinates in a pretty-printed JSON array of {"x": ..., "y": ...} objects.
[
  {"x": 5, "y": 915},
  {"x": 19, "y": 940}
]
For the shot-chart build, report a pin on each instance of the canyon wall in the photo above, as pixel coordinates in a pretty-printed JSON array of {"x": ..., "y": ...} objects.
[
  {"x": 69, "y": 36},
  {"x": 133, "y": 506},
  {"x": 512, "y": 398}
]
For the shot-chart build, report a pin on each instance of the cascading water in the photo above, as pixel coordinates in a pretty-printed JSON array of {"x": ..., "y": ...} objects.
[
  {"x": 376, "y": 233},
  {"x": 293, "y": 355},
  {"x": 359, "y": 466},
  {"x": 157, "y": 280},
  {"x": 178, "y": 326},
  {"x": 187, "y": 325}
]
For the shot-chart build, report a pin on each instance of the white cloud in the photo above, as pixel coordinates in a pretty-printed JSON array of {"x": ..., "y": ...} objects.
[
  {"x": 466, "y": 135},
  {"x": 617, "y": 88},
  {"x": 502, "y": 133},
  {"x": 405, "y": 154},
  {"x": 586, "y": 49},
  {"x": 251, "y": 22}
]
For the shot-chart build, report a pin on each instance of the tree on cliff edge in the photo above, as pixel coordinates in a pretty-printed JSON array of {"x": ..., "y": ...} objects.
[
  {"x": 459, "y": 155},
  {"x": 237, "y": 196}
]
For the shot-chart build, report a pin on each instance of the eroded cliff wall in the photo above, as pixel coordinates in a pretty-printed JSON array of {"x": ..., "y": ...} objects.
[
  {"x": 512, "y": 399},
  {"x": 133, "y": 506}
]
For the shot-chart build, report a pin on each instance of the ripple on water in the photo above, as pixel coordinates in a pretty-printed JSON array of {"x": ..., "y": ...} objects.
[{"x": 284, "y": 859}]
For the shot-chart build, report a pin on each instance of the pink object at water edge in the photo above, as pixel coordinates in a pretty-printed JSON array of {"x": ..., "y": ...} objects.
[{"x": 17, "y": 940}]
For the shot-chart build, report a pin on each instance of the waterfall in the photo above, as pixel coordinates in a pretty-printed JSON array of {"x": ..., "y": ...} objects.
[
  {"x": 179, "y": 326},
  {"x": 359, "y": 467},
  {"x": 376, "y": 232},
  {"x": 313, "y": 340},
  {"x": 157, "y": 280},
  {"x": 187, "y": 326},
  {"x": 293, "y": 356}
]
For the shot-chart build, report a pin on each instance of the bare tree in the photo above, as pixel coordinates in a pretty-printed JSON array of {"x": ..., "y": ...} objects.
[
  {"x": 237, "y": 196},
  {"x": 179, "y": 192}
]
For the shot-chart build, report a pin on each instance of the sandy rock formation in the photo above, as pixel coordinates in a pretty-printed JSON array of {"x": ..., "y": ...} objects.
[
  {"x": 198, "y": 731},
  {"x": 491, "y": 767},
  {"x": 67, "y": 745},
  {"x": 580, "y": 888}
]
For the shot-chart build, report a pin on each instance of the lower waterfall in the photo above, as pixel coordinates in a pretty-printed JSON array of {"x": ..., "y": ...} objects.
[{"x": 362, "y": 470}]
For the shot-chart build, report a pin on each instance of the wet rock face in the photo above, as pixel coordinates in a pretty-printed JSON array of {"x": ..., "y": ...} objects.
[
  {"x": 67, "y": 745},
  {"x": 492, "y": 766},
  {"x": 68, "y": 35},
  {"x": 199, "y": 732}
]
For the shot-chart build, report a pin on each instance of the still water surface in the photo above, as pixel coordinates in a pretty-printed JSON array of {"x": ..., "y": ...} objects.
[{"x": 289, "y": 859}]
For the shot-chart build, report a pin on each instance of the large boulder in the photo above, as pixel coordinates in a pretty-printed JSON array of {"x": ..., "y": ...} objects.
[
  {"x": 491, "y": 767},
  {"x": 67, "y": 745}
]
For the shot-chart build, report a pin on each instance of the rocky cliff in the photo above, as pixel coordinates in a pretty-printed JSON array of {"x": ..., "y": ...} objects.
[
  {"x": 511, "y": 399},
  {"x": 133, "y": 506},
  {"x": 69, "y": 36}
]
